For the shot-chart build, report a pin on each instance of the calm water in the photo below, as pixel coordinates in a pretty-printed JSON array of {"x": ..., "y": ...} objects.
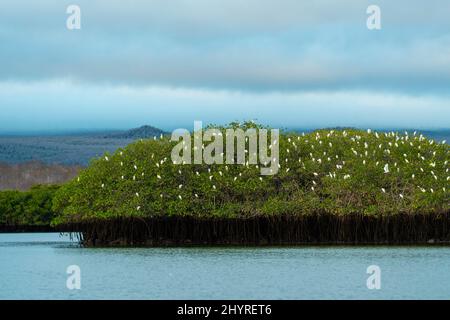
[{"x": 33, "y": 266}]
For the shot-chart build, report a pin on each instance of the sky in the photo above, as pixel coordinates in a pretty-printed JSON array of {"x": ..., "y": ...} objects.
[{"x": 285, "y": 63}]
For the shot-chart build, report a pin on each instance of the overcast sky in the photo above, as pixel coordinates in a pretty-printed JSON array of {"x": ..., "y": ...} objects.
[{"x": 287, "y": 63}]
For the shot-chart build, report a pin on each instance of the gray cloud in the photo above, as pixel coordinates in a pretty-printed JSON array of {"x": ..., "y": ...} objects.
[{"x": 253, "y": 45}]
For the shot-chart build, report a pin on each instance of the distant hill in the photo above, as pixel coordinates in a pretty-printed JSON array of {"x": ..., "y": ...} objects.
[{"x": 144, "y": 132}]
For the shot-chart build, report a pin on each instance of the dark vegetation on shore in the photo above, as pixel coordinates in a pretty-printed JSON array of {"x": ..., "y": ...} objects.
[
  {"x": 29, "y": 210},
  {"x": 53, "y": 150},
  {"x": 68, "y": 149}
]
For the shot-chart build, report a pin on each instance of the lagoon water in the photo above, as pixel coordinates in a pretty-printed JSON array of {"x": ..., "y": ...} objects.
[{"x": 33, "y": 266}]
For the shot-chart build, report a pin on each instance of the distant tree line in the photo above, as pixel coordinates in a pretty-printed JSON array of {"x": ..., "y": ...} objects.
[{"x": 25, "y": 175}]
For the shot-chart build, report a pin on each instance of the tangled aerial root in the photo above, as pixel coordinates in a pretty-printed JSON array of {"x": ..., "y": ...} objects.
[{"x": 280, "y": 230}]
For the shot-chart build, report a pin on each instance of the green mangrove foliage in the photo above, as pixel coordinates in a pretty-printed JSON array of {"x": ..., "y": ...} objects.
[
  {"x": 27, "y": 208},
  {"x": 339, "y": 172}
]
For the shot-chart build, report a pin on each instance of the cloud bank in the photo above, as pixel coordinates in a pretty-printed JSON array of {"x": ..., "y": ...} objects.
[{"x": 316, "y": 59}]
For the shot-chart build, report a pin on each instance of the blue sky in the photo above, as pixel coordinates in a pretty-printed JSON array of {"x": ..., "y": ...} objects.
[{"x": 288, "y": 63}]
